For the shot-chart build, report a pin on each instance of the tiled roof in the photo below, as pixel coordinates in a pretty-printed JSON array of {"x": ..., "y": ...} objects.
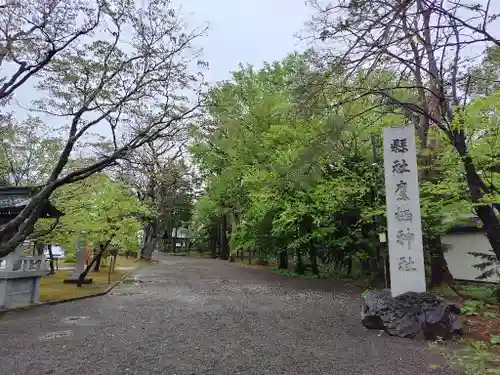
[{"x": 14, "y": 198}]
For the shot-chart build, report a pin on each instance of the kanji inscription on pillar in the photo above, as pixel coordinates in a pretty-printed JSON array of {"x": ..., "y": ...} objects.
[{"x": 404, "y": 227}]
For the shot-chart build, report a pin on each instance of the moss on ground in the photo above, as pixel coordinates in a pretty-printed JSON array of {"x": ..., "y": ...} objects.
[
  {"x": 52, "y": 287},
  {"x": 121, "y": 261}
]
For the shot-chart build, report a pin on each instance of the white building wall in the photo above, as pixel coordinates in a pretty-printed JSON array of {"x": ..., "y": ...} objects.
[
  {"x": 459, "y": 261},
  {"x": 181, "y": 233}
]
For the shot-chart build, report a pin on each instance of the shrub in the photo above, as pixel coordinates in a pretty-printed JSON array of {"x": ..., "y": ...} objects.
[{"x": 70, "y": 258}]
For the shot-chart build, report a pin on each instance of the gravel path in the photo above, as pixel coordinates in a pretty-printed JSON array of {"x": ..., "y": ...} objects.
[{"x": 193, "y": 316}]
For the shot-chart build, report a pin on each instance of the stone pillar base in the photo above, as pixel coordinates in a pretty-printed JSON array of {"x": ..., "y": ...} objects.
[{"x": 18, "y": 291}]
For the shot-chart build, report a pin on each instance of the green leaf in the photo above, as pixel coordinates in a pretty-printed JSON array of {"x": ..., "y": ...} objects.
[{"x": 495, "y": 339}]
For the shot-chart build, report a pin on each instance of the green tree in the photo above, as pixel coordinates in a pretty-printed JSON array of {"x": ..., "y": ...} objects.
[
  {"x": 423, "y": 45},
  {"x": 107, "y": 210},
  {"x": 132, "y": 78},
  {"x": 263, "y": 153},
  {"x": 297, "y": 173}
]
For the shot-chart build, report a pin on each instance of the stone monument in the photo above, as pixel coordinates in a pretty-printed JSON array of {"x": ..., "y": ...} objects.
[
  {"x": 81, "y": 252},
  {"x": 404, "y": 226},
  {"x": 406, "y": 310}
]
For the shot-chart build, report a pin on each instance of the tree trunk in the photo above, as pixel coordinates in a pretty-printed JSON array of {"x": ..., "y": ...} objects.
[
  {"x": 440, "y": 274},
  {"x": 477, "y": 189},
  {"x": 148, "y": 247},
  {"x": 149, "y": 241},
  {"x": 217, "y": 236},
  {"x": 84, "y": 274},
  {"x": 365, "y": 267},
  {"x": 224, "y": 244},
  {"x": 98, "y": 260},
  {"x": 51, "y": 260},
  {"x": 432, "y": 103},
  {"x": 381, "y": 268},
  {"x": 145, "y": 231},
  {"x": 387, "y": 271},
  {"x": 283, "y": 260},
  {"x": 213, "y": 241},
  {"x": 313, "y": 259},
  {"x": 232, "y": 229},
  {"x": 349, "y": 266},
  {"x": 110, "y": 269},
  {"x": 299, "y": 266}
]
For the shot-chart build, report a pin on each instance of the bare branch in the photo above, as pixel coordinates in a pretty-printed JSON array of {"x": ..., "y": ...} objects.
[{"x": 142, "y": 88}]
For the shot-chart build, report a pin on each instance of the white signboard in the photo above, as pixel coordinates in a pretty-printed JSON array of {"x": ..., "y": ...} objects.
[{"x": 404, "y": 226}]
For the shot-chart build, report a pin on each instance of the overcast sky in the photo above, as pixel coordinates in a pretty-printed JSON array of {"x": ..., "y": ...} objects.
[
  {"x": 242, "y": 31},
  {"x": 246, "y": 31}
]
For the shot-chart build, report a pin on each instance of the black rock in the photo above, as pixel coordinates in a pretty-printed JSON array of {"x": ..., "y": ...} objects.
[{"x": 410, "y": 315}]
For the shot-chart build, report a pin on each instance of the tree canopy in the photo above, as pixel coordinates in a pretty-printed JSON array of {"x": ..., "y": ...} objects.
[
  {"x": 297, "y": 173},
  {"x": 100, "y": 207}
]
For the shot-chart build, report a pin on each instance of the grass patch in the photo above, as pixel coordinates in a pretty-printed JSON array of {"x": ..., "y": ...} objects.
[
  {"x": 188, "y": 254},
  {"x": 484, "y": 293},
  {"x": 480, "y": 292},
  {"x": 478, "y": 353},
  {"x": 121, "y": 261},
  {"x": 285, "y": 272},
  {"x": 307, "y": 275},
  {"x": 53, "y": 289},
  {"x": 471, "y": 357}
]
